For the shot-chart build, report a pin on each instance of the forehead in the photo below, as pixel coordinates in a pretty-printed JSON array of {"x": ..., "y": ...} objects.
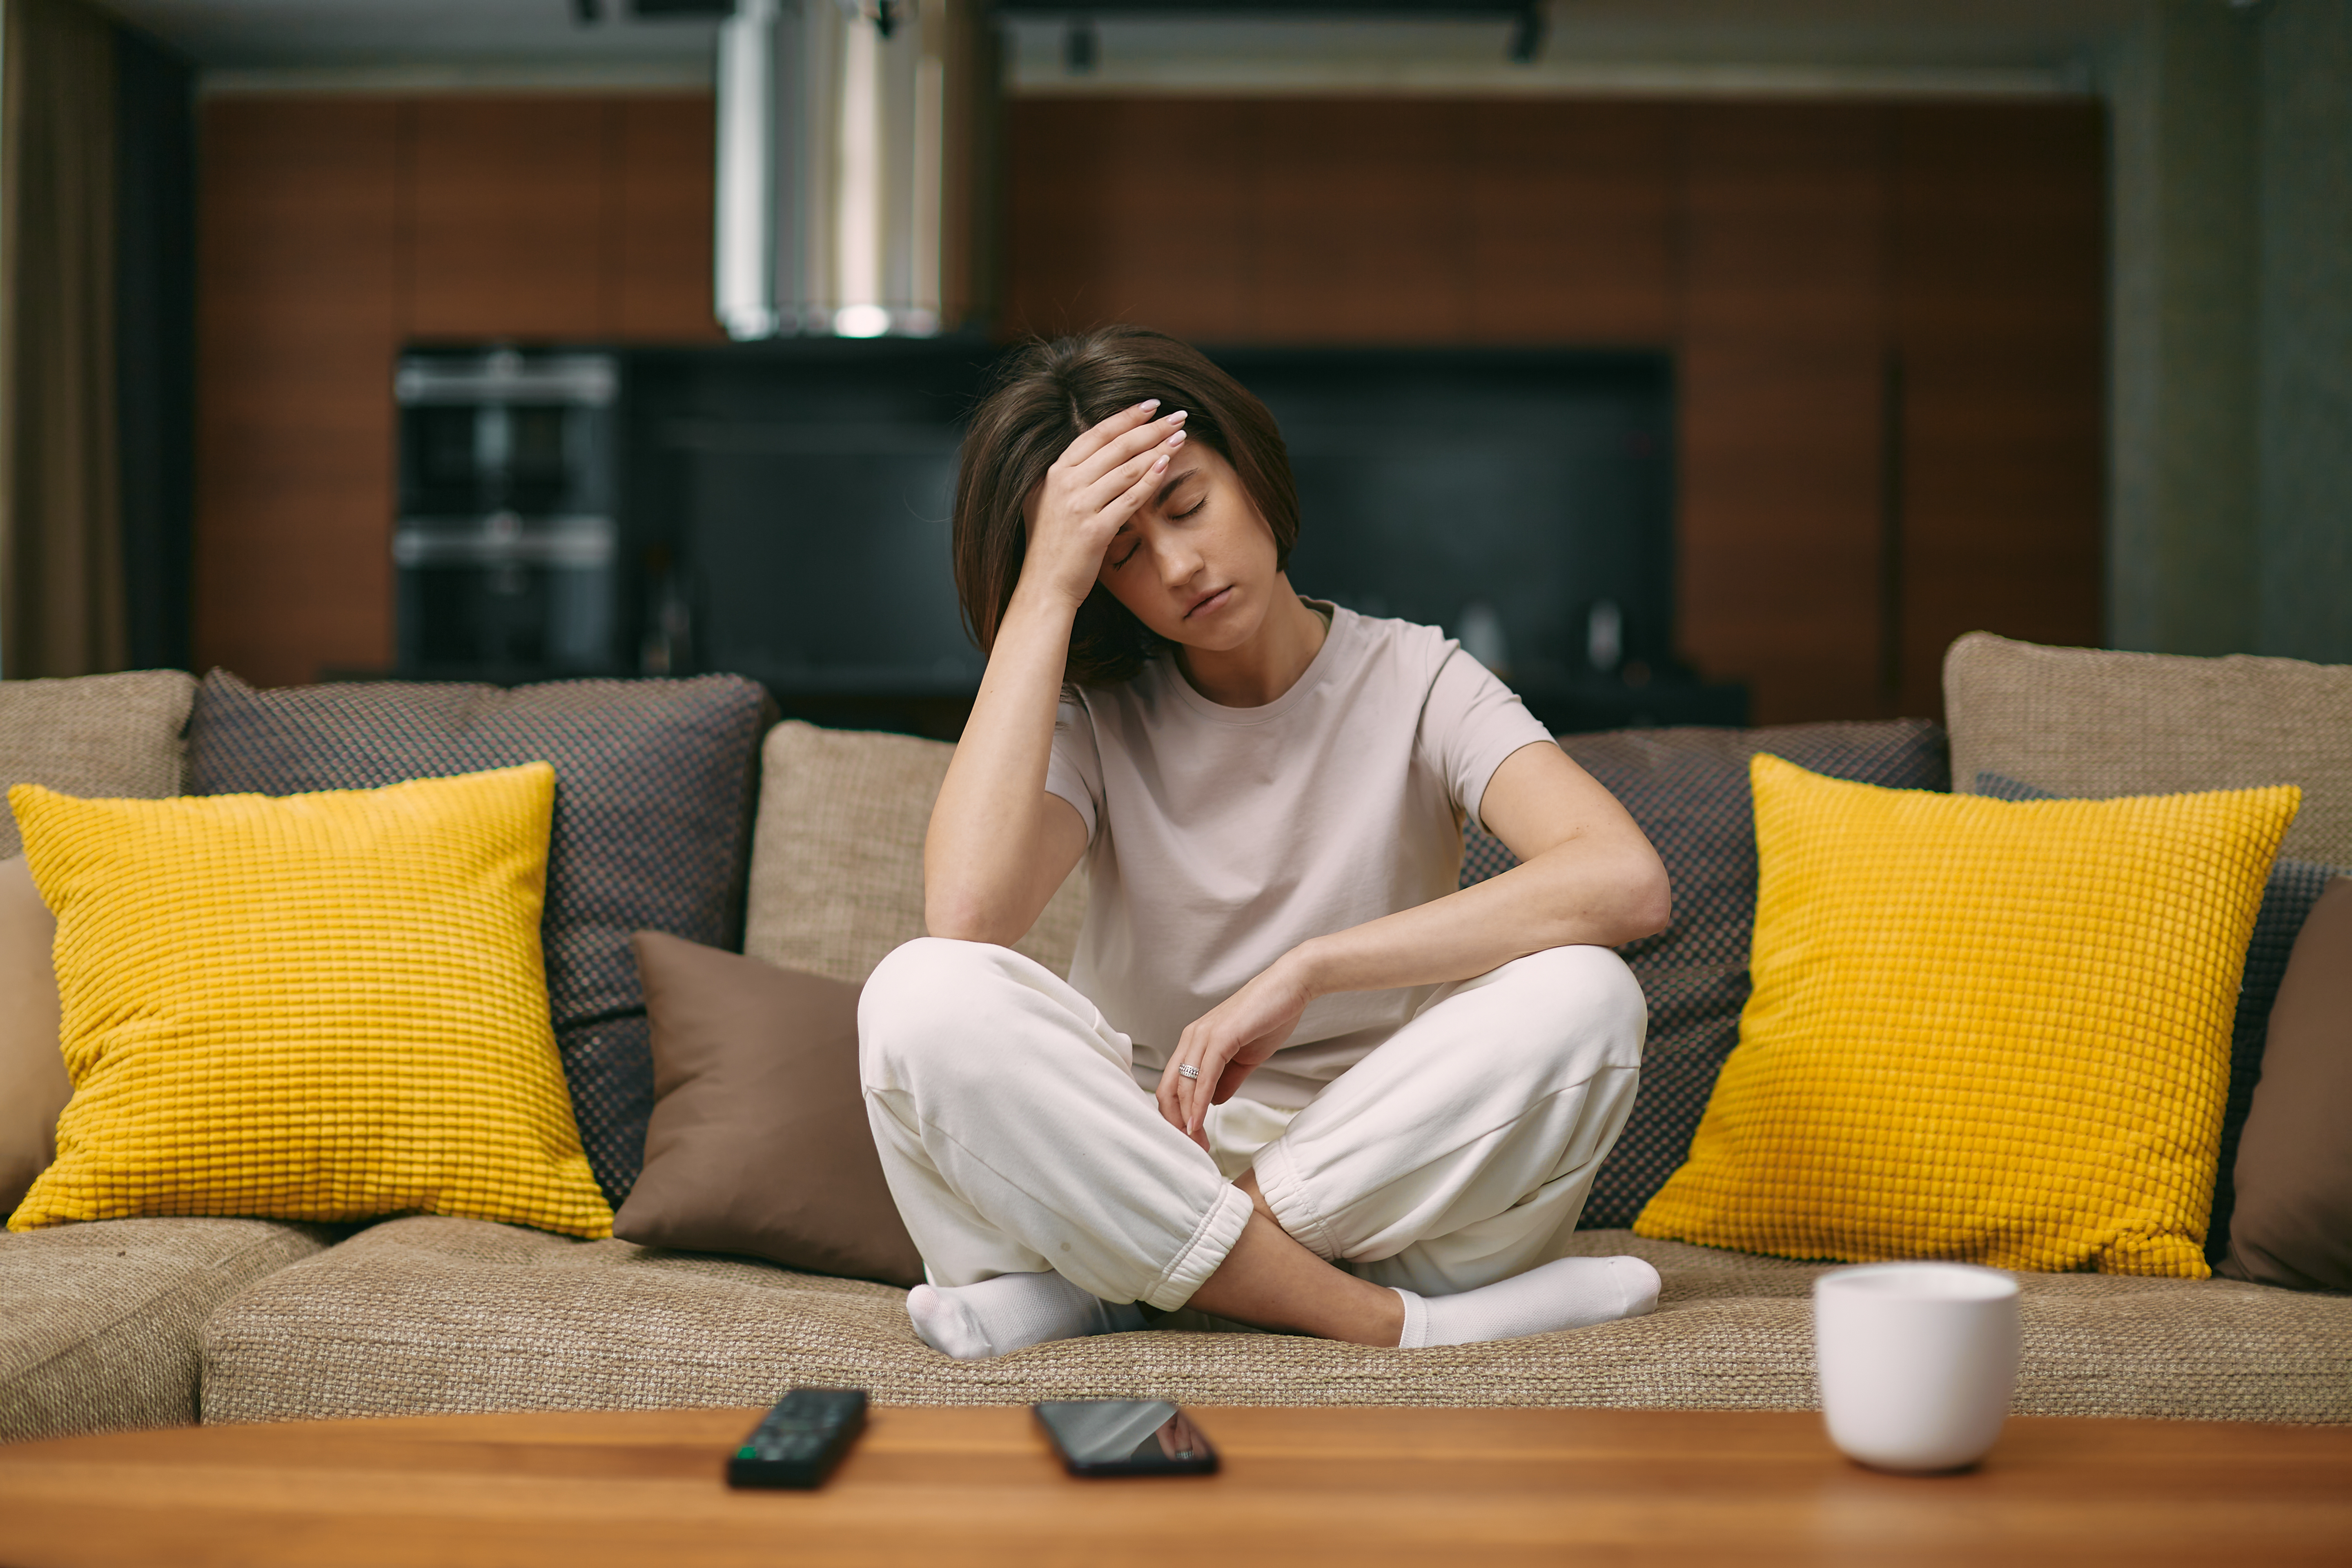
[{"x": 1199, "y": 460}]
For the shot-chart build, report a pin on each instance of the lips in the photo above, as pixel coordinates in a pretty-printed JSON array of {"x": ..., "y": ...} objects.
[{"x": 1208, "y": 601}]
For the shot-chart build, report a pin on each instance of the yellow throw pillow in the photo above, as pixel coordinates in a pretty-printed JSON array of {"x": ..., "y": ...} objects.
[
  {"x": 319, "y": 1007},
  {"x": 1981, "y": 1029}
]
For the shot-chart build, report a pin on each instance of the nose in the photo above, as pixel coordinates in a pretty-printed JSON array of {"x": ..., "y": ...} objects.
[{"x": 1175, "y": 555}]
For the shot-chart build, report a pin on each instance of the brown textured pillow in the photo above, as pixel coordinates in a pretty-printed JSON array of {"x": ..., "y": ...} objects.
[
  {"x": 2293, "y": 1220},
  {"x": 758, "y": 1142},
  {"x": 34, "y": 1087}
]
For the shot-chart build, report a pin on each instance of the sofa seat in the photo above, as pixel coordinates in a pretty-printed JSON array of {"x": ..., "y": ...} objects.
[
  {"x": 429, "y": 1316},
  {"x": 98, "y": 1323}
]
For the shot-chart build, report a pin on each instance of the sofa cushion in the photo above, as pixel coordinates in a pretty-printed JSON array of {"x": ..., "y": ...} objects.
[
  {"x": 33, "y": 1085},
  {"x": 2091, "y": 722},
  {"x": 837, "y": 858},
  {"x": 434, "y": 1316},
  {"x": 1689, "y": 789},
  {"x": 2295, "y": 1167},
  {"x": 313, "y": 1007},
  {"x": 2293, "y": 888},
  {"x": 759, "y": 1143},
  {"x": 98, "y": 1323},
  {"x": 652, "y": 813},
  {"x": 93, "y": 735},
  {"x": 1981, "y": 1030}
]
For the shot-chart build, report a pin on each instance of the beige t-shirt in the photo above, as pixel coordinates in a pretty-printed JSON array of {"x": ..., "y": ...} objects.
[{"x": 1220, "y": 837}]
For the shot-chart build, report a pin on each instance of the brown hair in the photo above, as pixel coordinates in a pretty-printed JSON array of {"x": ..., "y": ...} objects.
[{"x": 1045, "y": 396}]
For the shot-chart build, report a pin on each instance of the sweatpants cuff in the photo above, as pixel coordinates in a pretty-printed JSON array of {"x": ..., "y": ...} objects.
[
  {"x": 1199, "y": 1257},
  {"x": 1285, "y": 1195}
]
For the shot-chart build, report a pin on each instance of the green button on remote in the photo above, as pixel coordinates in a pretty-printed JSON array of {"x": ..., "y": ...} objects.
[{"x": 800, "y": 1441}]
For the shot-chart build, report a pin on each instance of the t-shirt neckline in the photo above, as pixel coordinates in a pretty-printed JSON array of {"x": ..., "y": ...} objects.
[{"x": 1343, "y": 627}]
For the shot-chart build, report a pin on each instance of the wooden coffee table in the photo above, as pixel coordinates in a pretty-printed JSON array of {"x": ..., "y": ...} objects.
[{"x": 1365, "y": 1486}]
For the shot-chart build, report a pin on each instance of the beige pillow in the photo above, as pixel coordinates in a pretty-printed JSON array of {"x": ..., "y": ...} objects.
[
  {"x": 2094, "y": 723},
  {"x": 100, "y": 737},
  {"x": 837, "y": 854},
  {"x": 34, "y": 1087}
]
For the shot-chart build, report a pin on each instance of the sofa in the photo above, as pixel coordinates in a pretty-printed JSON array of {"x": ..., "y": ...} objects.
[{"x": 159, "y": 1321}]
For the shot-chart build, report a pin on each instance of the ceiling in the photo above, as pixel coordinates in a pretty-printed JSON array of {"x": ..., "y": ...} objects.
[{"x": 2040, "y": 39}]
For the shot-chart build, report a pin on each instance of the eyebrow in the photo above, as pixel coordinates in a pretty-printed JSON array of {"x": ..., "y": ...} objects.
[{"x": 1167, "y": 490}]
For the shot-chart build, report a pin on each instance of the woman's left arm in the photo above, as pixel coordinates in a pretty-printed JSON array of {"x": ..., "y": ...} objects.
[{"x": 1587, "y": 875}]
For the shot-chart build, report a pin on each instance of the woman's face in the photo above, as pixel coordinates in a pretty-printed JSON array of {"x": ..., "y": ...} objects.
[{"x": 1196, "y": 563}]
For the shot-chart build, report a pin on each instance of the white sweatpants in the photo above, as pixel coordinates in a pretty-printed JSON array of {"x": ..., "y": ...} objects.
[{"x": 1458, "y": 1153}]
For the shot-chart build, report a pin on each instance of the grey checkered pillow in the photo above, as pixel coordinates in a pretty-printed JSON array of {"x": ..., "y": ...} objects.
[
  {"x": 1689, "y": 789},
  {"x": 654, "y": 783}
]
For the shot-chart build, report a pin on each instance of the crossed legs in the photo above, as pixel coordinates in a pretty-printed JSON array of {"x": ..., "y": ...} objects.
[{"x": 1421, "y": 1198}]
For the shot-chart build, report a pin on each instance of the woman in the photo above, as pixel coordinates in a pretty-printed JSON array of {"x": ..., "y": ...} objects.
[{"x": 1295, "y": 1078}]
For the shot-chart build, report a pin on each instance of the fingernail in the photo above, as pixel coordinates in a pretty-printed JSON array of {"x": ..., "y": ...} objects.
[
  {"x": 1160, "y": 462},
  {"x": 1149, "y": 403},
  {"x": 1177, "y": 418},
  {"x": 1177, "y": 439}
]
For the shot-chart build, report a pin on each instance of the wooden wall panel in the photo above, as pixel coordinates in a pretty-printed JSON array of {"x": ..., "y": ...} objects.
[
  {"x": 661, "y": 250},
  {"x": 1572, "y": 221},
  {"x": 1997, "y": 257},
  {"x": 1129, "y": 210},
  {"x": 1792, "y": 253},
  {"x": 298, "y": 319},
  {"x": 334, "y": 229},
  {"x": 1782, "y": 386},
  {"x": 1360, "y": 218},
  {"x": 1885, "y": 318},
  {"x": 509, "y": 212}
]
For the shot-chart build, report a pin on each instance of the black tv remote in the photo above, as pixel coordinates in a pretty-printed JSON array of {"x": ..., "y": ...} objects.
[{"x": 802, "y": 1437}]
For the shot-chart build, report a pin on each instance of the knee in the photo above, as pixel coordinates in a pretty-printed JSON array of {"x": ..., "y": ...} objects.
[
  {"x": 938, "y": 1011},
  {"x": 921, "y": 1000},
  {"x": 1584, "y": 1001}
]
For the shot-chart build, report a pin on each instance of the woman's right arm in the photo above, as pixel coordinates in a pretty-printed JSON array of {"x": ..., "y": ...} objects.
[{"x": 999, "y": 845}]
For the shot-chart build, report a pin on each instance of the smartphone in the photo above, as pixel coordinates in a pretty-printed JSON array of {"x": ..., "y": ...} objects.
[{"x": 1125, "y": 1437}]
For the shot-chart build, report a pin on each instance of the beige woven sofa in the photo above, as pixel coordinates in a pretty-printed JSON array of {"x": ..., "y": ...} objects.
[{"x": 148, "y": 1322}]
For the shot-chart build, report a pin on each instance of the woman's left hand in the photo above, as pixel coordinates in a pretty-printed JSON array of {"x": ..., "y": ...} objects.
[{"x": 1227, "y": 1044}]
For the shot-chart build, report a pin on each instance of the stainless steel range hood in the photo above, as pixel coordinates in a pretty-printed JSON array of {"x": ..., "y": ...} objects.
[{"x": 852, "y": 138}]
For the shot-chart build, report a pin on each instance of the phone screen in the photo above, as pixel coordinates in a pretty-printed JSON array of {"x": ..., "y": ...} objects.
[{"x": 1126, "y": 1438}]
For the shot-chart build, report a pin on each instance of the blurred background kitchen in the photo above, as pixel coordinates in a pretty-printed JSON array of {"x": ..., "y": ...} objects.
[{"x": 1691, "y": 361}]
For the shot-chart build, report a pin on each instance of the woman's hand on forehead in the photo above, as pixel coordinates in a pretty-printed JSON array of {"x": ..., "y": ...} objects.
[{"x": 1102, "y": 480}]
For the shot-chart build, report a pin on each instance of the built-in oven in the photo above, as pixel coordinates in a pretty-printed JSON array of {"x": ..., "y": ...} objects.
[{"x": 507, "y": 543}]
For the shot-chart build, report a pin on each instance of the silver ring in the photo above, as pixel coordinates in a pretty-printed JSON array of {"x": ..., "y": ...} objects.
[{"x": 1187, "y": 1070}]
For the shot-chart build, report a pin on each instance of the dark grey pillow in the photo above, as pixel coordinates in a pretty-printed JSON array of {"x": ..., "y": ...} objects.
[
  {"x": 2293, "y": 888},
  {"x": 654, "y": 790},
  {"x": 1689, "y": 789}
]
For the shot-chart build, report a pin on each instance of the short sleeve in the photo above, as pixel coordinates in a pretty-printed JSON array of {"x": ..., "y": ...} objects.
[
  {"x": 1470, "y": 722},
  {"x": 1073, "y": 772}
]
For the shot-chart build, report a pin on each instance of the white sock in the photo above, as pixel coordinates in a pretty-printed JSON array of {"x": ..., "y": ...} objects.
[
  {"x": 1566, "y": 1293},
  {"x": 998, "y": 1316}
]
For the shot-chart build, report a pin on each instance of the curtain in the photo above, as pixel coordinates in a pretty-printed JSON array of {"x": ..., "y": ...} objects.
[
  {"x": 154, "y": 340},
  {"x": 61, "y": 581}
]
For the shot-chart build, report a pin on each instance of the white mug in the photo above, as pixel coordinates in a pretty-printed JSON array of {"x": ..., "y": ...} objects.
[{"x": 1917, "y": 1362}]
